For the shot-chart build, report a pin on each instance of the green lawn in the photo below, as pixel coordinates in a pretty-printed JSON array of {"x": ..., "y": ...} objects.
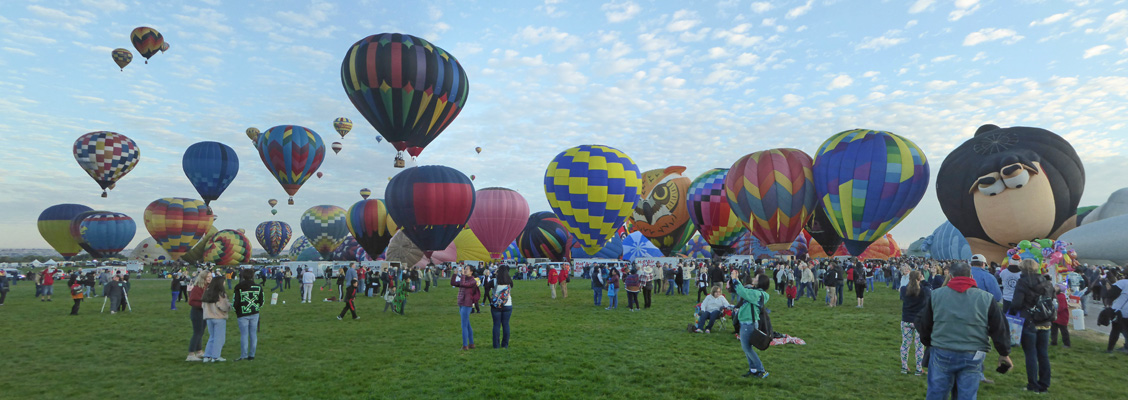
[{"x": 564, "y": 348}]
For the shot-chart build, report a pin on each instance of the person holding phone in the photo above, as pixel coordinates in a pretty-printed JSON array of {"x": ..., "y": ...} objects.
[{"x": 466, "y": 300}]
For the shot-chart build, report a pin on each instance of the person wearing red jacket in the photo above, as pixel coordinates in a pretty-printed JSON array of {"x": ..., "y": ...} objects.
[
  {"x": 195, "y": 295},
  {"x": 791, "y": 293},
  {"x": 552, "y": 279},
  {"x": 467, "y": 287},
  {"x": 1061, "y": 324}
]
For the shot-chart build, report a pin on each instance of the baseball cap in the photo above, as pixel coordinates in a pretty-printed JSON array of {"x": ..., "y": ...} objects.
[{"x": 979, "y": 258}]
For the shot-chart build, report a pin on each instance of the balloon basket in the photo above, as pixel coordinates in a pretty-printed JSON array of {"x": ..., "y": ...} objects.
[
  {"x": 291, "y": 201},
  {"x": 399, "y": 163},
  {"x": 104, "y": 194}
]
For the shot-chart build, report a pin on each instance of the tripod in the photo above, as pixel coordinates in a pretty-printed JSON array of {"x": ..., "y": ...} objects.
[{"x": 127, "y": 304}]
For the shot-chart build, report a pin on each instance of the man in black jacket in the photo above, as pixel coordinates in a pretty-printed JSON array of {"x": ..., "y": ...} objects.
[
  {"x": 249, "y": 299},
  {"x": 350, "y": 300}
]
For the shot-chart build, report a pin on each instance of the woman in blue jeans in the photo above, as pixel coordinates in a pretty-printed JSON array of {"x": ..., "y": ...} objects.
[
  {"x": 502, "y": 288},
  {"x": 748, "y": 315},
  {"x": 1030, "y": 287},
  {"x": 466, "y": 300}
]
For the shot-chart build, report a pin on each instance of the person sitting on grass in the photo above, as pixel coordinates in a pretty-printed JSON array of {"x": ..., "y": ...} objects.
[{"x": 711, "y": 309}]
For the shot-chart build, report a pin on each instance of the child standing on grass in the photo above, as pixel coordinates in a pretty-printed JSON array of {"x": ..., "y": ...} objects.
[
  {"x": 350, "y": 299},
  {"x": 77, "y": 295},
  {"x": 1061, "y": 323},
  {"x": 791, "y": 293},
  {"x": 613, "y": 290},
  {"x": 389, "y": 297},
  {"x": 215, "y": 306}
]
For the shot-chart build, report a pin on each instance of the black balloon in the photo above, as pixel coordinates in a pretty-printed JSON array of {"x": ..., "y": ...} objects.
[{"x": 822, "y": 231}]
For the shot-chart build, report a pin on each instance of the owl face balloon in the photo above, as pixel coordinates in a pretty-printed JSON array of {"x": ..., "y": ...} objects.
[{"x": 661, "y": 215}]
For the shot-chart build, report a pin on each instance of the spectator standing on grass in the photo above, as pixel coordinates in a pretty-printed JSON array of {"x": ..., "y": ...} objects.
[
  {"x": 464, "y": 281},
  {"x": 125, "y": 293},
  {"x": 833, "y": 281},
  {"x": 679, "y": 279},
  {"x": 289, "y": 274},
  {"x": 860, "y": 284},
  {"x": 195, "y": 295},
  {"x": 613, "y": 289},
  {"x": 960, "y": 323},
  {"x": 807, "y": 282},
  {"x": 597, "y": 284},
  {"x": 553, "y": 276},
  {"x": 104, "y": 279},
  {"x": 789, "y": 290},
  {"x": 216, "y": 306},
  {"x": 501, "y": 308},
  {"x": 307, "y": 284},
  {"x": 4, "y": 286},
  {"x": 914, "y": 296},
  {"x": 702, "y": 283},
  {"x": 1061, "y": 323},
  {"x": 1116, "y": 297},
  {"x": 749, "y": 315},
  {"x": 647, "y": 279},
  {"x": 1030, "y": 288},
  {"x": 350, "y": 300},
  {"x": 633, "y": 285},
  {"x": 48, "y": 282},
  {"x": 983, "y": 279},
  {"x": 176, "y": 288},
  {"x": 76, "y": 291},
  {"x": 249, "y": 299},
  {"x": 340, "y": 285},
  {"x": 1010, "y": 277},
  {"x": 115, "y": 291},
  {"x": 88, "y": 284}
]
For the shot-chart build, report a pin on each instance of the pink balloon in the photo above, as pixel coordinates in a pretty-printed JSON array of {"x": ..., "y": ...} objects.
[{"x": 499, "y": 216}]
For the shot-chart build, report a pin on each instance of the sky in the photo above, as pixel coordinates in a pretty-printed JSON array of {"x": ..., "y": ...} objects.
[{"x": 692, "y": 83}]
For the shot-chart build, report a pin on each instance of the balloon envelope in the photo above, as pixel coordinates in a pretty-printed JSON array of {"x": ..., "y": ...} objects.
[
  {"x": 210, "y": 166},
  {"x": 402, "y": 250},
  {"x": 273, "y": 236},
  {"x": 148, "y": 251},
  {"x": 773, "y": 193},
  {"x": 948, "y": 243},
  {"x": 54, "y": 225},
  {"x": 292, "y": 154},
  {"x": 196, "y": 253},
  {"x": 147, "y": 41},
  {"x": 325, "y": 226},
  {"x": 636, "y": 245},
  {"x": 545, "y": 236},
  {"x": 177, "y": 223},
  {"x": 593, "y": 189},
  {"x": 301, "y": 243},
  {"x": 103, "y": 233},
  {"x": 106, "y": 156},
  {"x": 368, "y": 223},
  {"x": 499, "y": 216},
  {"x": 253, "y": 133},
  {"x": 121, "y": 57},
  {"x": 228, "y": 247},
  {"x": 431, "y": 203},
  {"x": 342, "y": 126},
  {"x": 661, "y": 213},
  {"x": 711, "y": 213},
  {"x": 868, "y": 181}
]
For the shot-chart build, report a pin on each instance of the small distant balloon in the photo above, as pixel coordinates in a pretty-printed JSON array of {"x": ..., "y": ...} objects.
[
  {"x": 272, "y": 202},
  {"x": 478, "y": 149},
  {"x": 147, "y": 41},
  {"x": 253, "y": 133},
  {"x": 379, "y": 139},
  {"x": 343, "y": 126},
  {"x": 472, "y": 177},
  {"x": 273, "y": 212},
  {"x": 364, "y": 193},
  {"x": 337, "y": 146},
  {"x": 319, "y": 175},
  {"x": 164, "y": 47},
  {"x": 122, "y": 57}
]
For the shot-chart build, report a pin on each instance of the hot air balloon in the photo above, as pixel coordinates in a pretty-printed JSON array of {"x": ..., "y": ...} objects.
[
  {"x": 1006, "y": 185},
  {"x": 472, "y": 177},
  {"x": 106, "y": 156},
  {"x": 272, "y": 202},
  {"x": 478, "y": 149},
  {"x": 346, "y": 251},
  {"x": 273, "y": 212},
  {"x": 121, "y": 57},
  {"x": 343, "y": 126},
  {"x": 164, "y": 47},
  {"x": 710, "y": 211},
  {"x": 54, "y": 225},
  {"x": 592, "y": 188},
  {"x": 513, "y": 253},
  {"x": 292, "y": 154},
  {"x": 228, "y": 247},
  {"x": 147, "y": 41},
  {"x": 177, "y": 223},
  {"x": 379, "y": 139},
  {"x": 273, "y": 236},
  {"x": 148, "y": 251},
  {"x": 432, "y": 203},
  {"x": 613, "y": 249},
  {"x": 947, "y": 243},
  {"x": 367, "y": 220},
  {"x": 409, "y": 89},
  {"x": 253, "y": 133},
  {"x": 661, "y": 215},
  {"x": 499, "y": 216},
  {"x": 103, "y": 233},
  {"x": 196, "y": 253},
  {"x": 301, "y": 243},
  {"x": 820, "y": 229},
  {"x": 544, "y": 236},
  {"x": 325, "y": 227},
  {"x": 402, "y": 250},
  {"x": 773, "y": 193},
  {"x": 336, "y": 148},
  {"x": 210, "y": 166},
  {"x": 697, "y": 247},
  {"x": 637, "y": 245},
  {"x": 364, "y": 193},
  {"x": 868, "y": 181}
]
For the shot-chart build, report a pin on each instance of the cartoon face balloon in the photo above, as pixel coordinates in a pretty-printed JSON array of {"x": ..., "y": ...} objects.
[
  {"x": 662, "y": 215},
  {"x": 1006, "y": 185}
]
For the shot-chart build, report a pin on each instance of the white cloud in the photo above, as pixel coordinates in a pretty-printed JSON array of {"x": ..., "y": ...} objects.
[
  {"x": 1082, "y": 22},
  {"x": 840, "y": 81},
  {"x": 737, "y": 36},
  {"x": 871, "y": 74},
  {"x": 1097, "y": 50},
  {"x": 880, "y": 42},
  {"x": 17, "y": 51},
  {"x": 562, "y": 40},
  {"x": 619, "y": 12},
  {"x": 1051, "y": 19},
  {"x": 792, "y": 100},
  {"x": 760, "y": 7},
  {"x": 963, "y": 9},
  {"x": 920, "y": 6},
  {"x": 799, "y": 11},
  {"x": 684, "y": 20},
  {"x": 60, "y": 19},
  {"x": 549, "y": 7},
  {"x": 1008, "y": 36},
  {"x": 105, "y": 5},
  {"x": 943, "y": 58},
  {"x": 939, "y": 85}
]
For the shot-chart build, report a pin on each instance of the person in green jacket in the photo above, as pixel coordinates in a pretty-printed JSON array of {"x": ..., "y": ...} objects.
[{"x": 748, "y": 315}]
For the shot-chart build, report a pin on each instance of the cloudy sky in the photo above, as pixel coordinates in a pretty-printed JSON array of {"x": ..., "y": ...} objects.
[{"x": 687, "y": 83}]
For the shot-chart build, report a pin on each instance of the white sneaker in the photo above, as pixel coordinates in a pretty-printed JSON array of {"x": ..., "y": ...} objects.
[
  {"x": 193, "y": 357},
  {"x": 221, "y": 359}
]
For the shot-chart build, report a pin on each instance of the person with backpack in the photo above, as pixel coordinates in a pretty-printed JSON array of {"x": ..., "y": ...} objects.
[
  {"x": 501, "y": 306},
  {"x": 754, "y": 300},
  {"x": 860, "y": 284},
  {"x": 216, "y": 306},
  {"x": 466, "y": 285},
  {"x": 1034, "y": 301},
  {"x": 914, "y": 296}
]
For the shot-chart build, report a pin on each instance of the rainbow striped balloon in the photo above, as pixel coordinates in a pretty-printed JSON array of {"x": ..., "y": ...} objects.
[
  {"x": 710, "y": 211},
  {"x": 773, "y": 193},
  {"x": 177, "y": 223},
  {"x": 228, "y": 247},
  {"x": 292, "y": 154},
  {"x": 273, "y": 236}
]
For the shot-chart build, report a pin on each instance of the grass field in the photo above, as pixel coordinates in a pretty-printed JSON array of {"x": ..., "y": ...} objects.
[{"x": 564, "y": 348}]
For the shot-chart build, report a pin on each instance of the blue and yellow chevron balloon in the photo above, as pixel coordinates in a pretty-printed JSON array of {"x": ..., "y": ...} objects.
[
  {"x": 868, "y": 181},
  {"x": 593, "y": 189}
]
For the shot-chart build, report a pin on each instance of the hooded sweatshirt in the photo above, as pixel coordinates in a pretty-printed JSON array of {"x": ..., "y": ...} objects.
[
  {"x": 248, "y": 298},
  {"x": 1010, "y": 279}
]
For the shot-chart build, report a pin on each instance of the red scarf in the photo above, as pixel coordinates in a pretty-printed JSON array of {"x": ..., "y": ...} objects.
[{"x": 961, "y": 283}]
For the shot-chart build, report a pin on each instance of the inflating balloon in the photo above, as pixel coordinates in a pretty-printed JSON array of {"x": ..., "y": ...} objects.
[
  {"x": 499, "y": 216},
  {"x": 54, "y": 225},
  {"x": 432, "y": 203},
  {"x": 402, "y": 250},
  {"x": 253, "y": 133},
  {"x": 273, "y": 236},
  {"x": 868, "y": 181},
  {"x": 364, "y": 193},
  {"x": 325, "y": 227},
  {"x": 342, "y": 126},
  {"x": 228, "y": 247},
  {"x": 661, "y": 214},
  {"x": 593, "y": 189},
  {"x": 121, "y": 57},
  {"x": 710, "y": 212},
  {"x": 1005, "y": 185},
  {"x": 177, "y": 223},
  {"x": 545, "y": 236},
  {"x": 292, "y": 154},
  {"x": 106, "y": 156},
  {"x": 409, "y": 89},
  {"x": 367, "y": 220},
  {"x": 210, "y": 166},
  {"x": 196, "y": 253},
  {"x": 773, "y": 193},
  {"x": 147, "y": 41},
  {"x": 346, "y": 251},
  {"x": 102, "y": 233},
  {"x": 301, "y": 243},
  {"x": 148, "y": 251},
  {"x": 820, "y": 229}
]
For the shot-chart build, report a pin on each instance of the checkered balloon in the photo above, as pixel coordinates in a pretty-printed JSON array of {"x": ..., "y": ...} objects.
[
  {"x": 106, "y": 156},
  {"x": 592, "y": 188}
]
